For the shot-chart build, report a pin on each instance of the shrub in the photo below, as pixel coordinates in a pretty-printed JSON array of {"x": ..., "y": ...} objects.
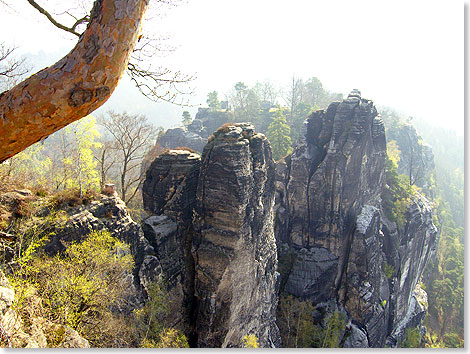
[
  {"x": 333, "y": 330},
  {"x": 388, "y": 269},
  {"x": 452, "y": 340},
  {"x": 412, "y": 338},
  {"x": 294, "y": 318},
  {"x": 171, "y": 338},
  {"x": 152, "y": 321},
  {"x": 78, "y": 288},
  {"x": 250, "y": 341},
  {"x": 396, "y": 195},
  {"x": 72, "y": 198}
]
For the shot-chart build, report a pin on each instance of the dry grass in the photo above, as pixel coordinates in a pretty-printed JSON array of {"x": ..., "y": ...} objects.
[
  {"x": 72, "y": 198},
  {"x": 225, "y": 127},
  {"x": 184, "y": 148}
]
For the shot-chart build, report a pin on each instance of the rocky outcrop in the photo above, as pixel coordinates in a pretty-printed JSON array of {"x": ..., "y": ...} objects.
[
  {"x": 211, "y": 119},
  {"x": 235, "y": 250},
  {"x": 212, "y": 230},
  {"x": 169, "y": 192},
  {"x": 415, "y": 245},
  {"x": 195, "y": 135},
  {"x": 329, "y": 213},
  {"x": 181, "y": 137},
  {"x": 106, "y": 213}
]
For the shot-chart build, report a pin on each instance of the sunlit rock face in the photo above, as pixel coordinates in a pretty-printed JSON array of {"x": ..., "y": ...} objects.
[
  {"x": 235, "y": 250},
  {"x": 212, "y": 231},
  {"x": 328, "y": 210}
]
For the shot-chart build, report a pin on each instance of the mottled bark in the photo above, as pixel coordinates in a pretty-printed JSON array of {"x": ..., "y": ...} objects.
[{"x": 77, "y": 84}]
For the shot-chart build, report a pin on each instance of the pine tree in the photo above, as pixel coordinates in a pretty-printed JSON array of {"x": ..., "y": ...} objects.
[
  {"x": 278, "y": 134},
  {"x": 186, "y": 118},
  {"x": 212, "y": 100}
]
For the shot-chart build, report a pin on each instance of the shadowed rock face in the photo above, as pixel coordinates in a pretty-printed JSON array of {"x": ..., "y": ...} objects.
[
  {"x": 235, "y": 251},
  {"x": 213, "y": 236},
  {"x": 328, "y": 209},
  {"x": 169, "y": 192}
]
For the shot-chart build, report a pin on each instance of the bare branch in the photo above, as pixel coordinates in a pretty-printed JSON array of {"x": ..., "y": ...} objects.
[
  {"x": 11, "y": 68},
  {"x": 157, "y": 85},
  {"x": 53, "y": 21},
  {"x": 161, "y": 84}
]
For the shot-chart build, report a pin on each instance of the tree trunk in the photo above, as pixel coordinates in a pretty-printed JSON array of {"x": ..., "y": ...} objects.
[{"x": 77, "y": 84}]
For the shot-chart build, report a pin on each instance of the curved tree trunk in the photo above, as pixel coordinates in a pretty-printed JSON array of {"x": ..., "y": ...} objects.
[{"x": 77, "y": 84}]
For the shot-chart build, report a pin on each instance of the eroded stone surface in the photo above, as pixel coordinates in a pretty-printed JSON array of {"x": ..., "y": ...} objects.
[
  {"x": 235, "y": 251},
  {"x": 329, "y": 198}
]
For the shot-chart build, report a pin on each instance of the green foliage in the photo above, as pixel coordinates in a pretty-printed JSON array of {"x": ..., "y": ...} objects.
[
  {"x": 29, "y": 166},
  {"x": 79, "y": 287},
  {"x": 298, "y": 329},
  {"x": 212, "y": 100},
  {"x": 152, "y": 324},
  {"x": 412, "y": 339},
  {"x": 332, "y": 332},
  {"x": 278, "y": 134},
  {"x": 186, "y": 118},
  {"x": 250, "y": 341},
  {"x": 82, "y": 162},
  {"x": 294, "y": 318},
  {"x": 171, "y": 338},
  {"x": 396, "y": 196},
  {"x": 393, "y": 151},
  {"x": 452, "y": 340},
  {"x": 388, "y": 269}
]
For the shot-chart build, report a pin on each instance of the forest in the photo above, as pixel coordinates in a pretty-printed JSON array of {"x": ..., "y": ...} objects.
[{"x": 66, "y": 283}]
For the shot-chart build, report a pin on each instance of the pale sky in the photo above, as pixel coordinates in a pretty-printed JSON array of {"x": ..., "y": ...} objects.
[{"x": 405, "y": 54}]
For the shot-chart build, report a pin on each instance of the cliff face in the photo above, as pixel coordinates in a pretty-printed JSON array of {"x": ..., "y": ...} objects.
[
  {"x": 235, "y": 250},
  {"x": 328, "y": 210},
  {"x": 213, "y": 235},
  {"x": 169, "y": 192},
  {"x": 216, "y": 243}
]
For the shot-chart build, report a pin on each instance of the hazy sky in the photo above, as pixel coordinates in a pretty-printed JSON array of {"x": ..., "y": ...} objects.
[{"x": 405, "y": 54}]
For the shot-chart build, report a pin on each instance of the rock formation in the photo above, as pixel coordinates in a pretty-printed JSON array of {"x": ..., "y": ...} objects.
[
  {"x": 328, "y": 210},
  {"x": 235, "y": 250},
  {"x": 194, "y": 136},
  {"x": 213, "y": 233},
  {"x": 182, "y": 137},
  {"x": 218, "y": 207},
  {"x": 169, "y": 192},
  {"x": 109, "y": 213}
]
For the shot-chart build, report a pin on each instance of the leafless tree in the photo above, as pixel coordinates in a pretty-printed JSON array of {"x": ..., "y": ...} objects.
[
  {"x": 133, "y": 136},
  {"x": 107, "y": 156},
  {"x": 12, "y": 68},
  {"x": 267, "y": 92},
  {"x": 293, "y": 96}
]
